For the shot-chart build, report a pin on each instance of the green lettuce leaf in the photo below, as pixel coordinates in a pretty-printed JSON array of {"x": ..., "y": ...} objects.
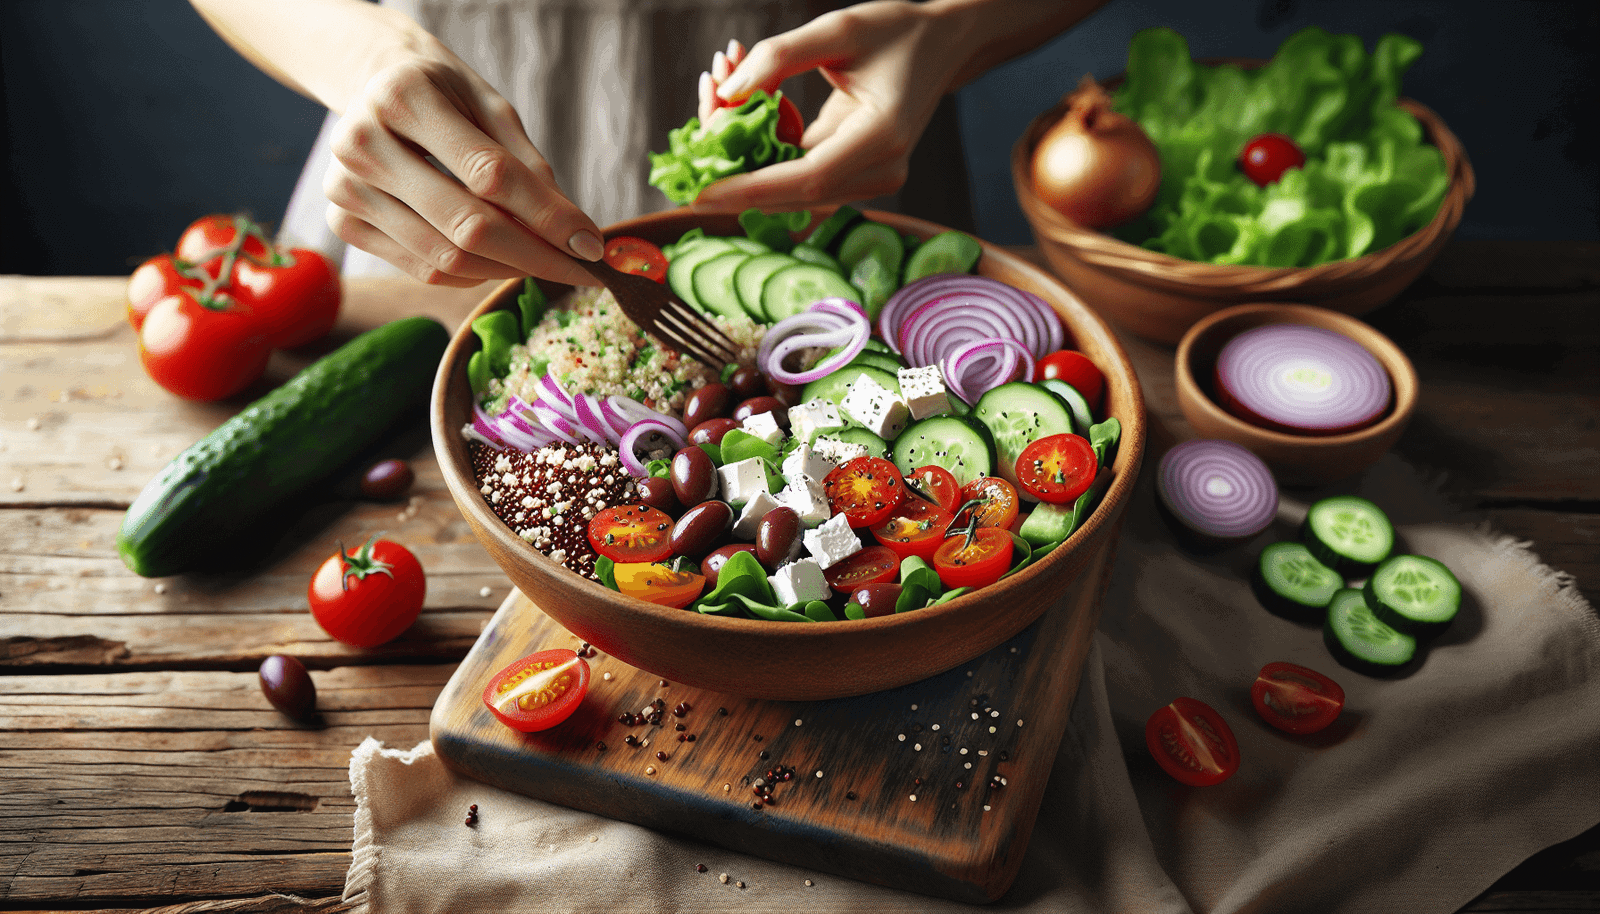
[{"x": 738, "y": 140}]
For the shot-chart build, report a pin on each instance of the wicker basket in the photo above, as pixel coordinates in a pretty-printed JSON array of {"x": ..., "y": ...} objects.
[{"x": 1159, "y": 296}]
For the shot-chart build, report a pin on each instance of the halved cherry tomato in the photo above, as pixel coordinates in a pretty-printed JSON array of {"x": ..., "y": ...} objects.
[
  {"x": 866, "y": 490},
  {"x": 915, "y": 528},
  {"x": 872, "y": 565},
  {"x": 207, "y": 240},
  {"x": 977, "y": 560},
  {"x": 1056, "y": 468},
  {"x": 1076, "y": 369},
  {"x": 1192, "y": 742},
  {"x": 538, "y": 691},
  {"x": 657, "y": 583},
  {"x": 632, "y": 533},
  {"x": 202, "y": 352},
  {"x": 936, "y": 484},
  {"x": 1296, "y": 699},
  {"x": 636, "y": 255},
  {"x": 999, "y": 508}
]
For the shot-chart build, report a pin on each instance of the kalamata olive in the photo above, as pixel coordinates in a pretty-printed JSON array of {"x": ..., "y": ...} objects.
[
  {"x": 288, "y": 686},
  {"x": 657, "y": 492},
  {"x": 700, "y": 528},
  {"x": 787, "y": 394},
  {"x": 711, "y": 431},
  {"x": 757, "y": 405},
  {"x": 711, "y": 565},
  {"x": 777, "y": 536},
  {"x": 876, "y": 599},
  {"x": 694, "y": 476},
  {"x": 387, "y": 479},
  {"x": 748, "y": 382},
  {"x": 708, "y": 402}
]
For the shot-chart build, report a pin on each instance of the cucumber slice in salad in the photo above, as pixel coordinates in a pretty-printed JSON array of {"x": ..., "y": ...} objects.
[
  {"x": 946, "y": 252},
  {"x": 1082, "y": 415},
  {"x": 809, "y": 253},
  {"x": 1361, "y": 641},
  {"x": 1018, "y": 414},
  {"x": 712, "y": 281},
  {"x": 1348, "y": 534},
  {"x": 797, "y": 287},
  {"x": 690, "y": 255},
  {"x": 1289, "y": 581},
  {"x": 752, "y": 275},
  {"x": 962, "y": 446},
  {"x": 1414, "y": 594}
]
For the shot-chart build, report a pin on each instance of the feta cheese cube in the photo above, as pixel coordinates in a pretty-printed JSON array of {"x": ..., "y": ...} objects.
[
  {"x": 799, "y": 582},
  {"x": 744, "y": 526},
  {"x": 806, "y": 497},
  {"x": 833, "y": 542},
  {"x": 763, "y": 426},
  {"x": 814, "y": 417},
  {"x": 837, "y": 450},
  {"x": 741, "y": 481},
  {"x": 878, "y": 409},
  {"x": 924, "y": 392},
  {"x": 803, "y": 461}
]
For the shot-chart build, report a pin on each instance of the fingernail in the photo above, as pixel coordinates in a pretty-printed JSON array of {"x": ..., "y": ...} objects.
[
  {"x": 719, "y": 65},
  {"x": 730, "y": 89},
  {"x": 586, "y": 245},
  {"x": 733, "y": 48}
]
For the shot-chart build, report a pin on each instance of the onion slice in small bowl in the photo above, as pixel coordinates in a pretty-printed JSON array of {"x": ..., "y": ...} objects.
[
  {"x": 1217, "y": 490},
  {"x": 1300, "y": 379},
  {"x": 645, "y": 440}
]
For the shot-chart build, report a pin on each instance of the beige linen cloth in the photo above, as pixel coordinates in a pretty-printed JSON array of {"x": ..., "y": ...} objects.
[{"x": 1426, "y": 790}]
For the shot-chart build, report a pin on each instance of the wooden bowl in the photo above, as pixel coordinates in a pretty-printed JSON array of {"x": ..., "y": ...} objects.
[
  {"x": 783, "y": 660},
  {"x": 1158, "y": 296},
  {"x": 1294, "y": 459}
]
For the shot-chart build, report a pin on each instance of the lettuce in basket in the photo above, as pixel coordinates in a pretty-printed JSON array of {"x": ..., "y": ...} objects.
[
  {"x": 1369, "y": 178},
  {"x": 735, "y": 140}
]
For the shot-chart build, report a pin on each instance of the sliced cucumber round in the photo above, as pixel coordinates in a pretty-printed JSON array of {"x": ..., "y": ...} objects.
[
  {"x": 1414, "y": 594},
  {"x": 752, "y": 275},
  {"x": 797, "y": 287},
  {"x": 1348, "y": 534},
  {"x": 691, "y": 254},
  {"x": 1290, "y": 582},
  {"x": 832, "y": 387},
  {"x": 713, "y": 283},
  {"x": 962, "y": 446},
  {"x": 946, "y": 252},
  {"x": 1361, "y": 641}
]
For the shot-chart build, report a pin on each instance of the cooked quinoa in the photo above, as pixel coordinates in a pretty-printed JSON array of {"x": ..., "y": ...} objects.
[{"x": 592, "y": 347}]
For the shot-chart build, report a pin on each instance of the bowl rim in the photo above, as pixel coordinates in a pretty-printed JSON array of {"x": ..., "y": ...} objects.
[
  {"x": 1405, "y": 386},
  {"x": 451, "y": 450},
  {"x": 1165, "y": 271}
]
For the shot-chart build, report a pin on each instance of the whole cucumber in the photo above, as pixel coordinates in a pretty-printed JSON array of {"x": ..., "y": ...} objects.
[{"x": 280, "y": 446}]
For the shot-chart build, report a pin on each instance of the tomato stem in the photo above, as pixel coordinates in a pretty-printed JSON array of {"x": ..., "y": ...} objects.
[{"x": 362, "y": 563}]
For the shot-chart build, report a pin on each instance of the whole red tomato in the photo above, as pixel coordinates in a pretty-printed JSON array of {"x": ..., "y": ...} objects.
[
  {"x": 208, "y": 240},
  {"x": 295, "y": 295},
  {"x": 369, "y": 598},
  {"x": 202, "y": 351},
  {"x": 152, "y": 281}
]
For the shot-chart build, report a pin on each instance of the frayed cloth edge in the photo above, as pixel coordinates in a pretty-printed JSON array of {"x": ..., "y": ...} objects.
[{"x": 364, "y": 850}]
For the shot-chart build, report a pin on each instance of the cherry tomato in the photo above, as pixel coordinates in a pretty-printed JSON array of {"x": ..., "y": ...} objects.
[
  {"x": 1056, "y": 468},
  {"x": 1192, "y": 742},
  {"x": 202, "y": 352},
  {"x": 656, "y": 583},
  {"x": 866, "y": 490},
  {"x": 632, "y": 533},
  {"x": 915, "y": 528},
  {"x": 999, "y": 501},
  {"x": 791, "y": 127},
  {"x": 369, "y": 598},
  {"x": 538, "y": 691},
  {"x": 207, "y": 240},
  {"x": 936, "y": 484},
  {"x": 636, "y": 255},
  {"x": 973, "y": 561},
  {"x": 1265, "y": 158},
  {"x": 872, "y": 565},
  {"x": 295, "y": 295},
  {"x": 152, "y": 281},
  {"x": 1076, "y": 369},
  {"x": 1296, "y": 699}
]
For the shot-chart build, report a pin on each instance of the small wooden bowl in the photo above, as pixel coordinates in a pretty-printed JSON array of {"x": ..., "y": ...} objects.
[
  {"x": 1158, "y": 296},
  {"x": 784, "y": 660},
  {"x": 1294, "y": 459}
]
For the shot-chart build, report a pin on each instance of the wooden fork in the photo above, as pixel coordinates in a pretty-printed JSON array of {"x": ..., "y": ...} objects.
[{"x": 657, "y": 311}]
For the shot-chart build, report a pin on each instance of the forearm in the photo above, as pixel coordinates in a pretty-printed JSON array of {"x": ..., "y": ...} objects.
[
  {"x": 324, "y": 49},
  {"x": 995, "y": 31}
]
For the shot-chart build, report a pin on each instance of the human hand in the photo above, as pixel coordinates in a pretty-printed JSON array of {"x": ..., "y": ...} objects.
[{"x": 501, "y": 216}]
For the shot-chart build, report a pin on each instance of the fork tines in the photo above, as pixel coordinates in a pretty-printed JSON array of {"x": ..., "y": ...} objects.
[{"x": 693, "y": 334}]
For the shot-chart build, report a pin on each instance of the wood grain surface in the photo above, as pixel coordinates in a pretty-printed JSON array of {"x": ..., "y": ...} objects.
[{"x": 140, "y": 768}]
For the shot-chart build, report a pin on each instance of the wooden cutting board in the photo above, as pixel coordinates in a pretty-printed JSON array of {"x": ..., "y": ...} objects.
[{"x": 932, "y": 787}]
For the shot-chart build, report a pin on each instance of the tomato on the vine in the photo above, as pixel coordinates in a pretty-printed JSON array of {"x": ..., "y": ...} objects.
[
  {"x": 1076, "y": 369},
  {"x": 915, "y": 528},
  {"x": 295, "y": 295},
  {"x": 992, "y": 500},
  {"x": 871, "y": 565},
  {"x": 199, "y": 351},
  {"x": 976, "y": 557},
  {"x": 538, "y": 691},
  {"x": 636, "y": 255},
  {"x": 1056, "y": 468},
  {"x": 936, "y": 484},
  {"x": 207, "y": 241},
  {"x": 152, "y": 281},
  {"x": 1265, "y": 158},
  {"x": 369, "y": 598},
  {"x": 866, "y": 490},
  {"x": 1192, "y": 742},
  {"x": 632, "y": 533},
  {"x": 1296, "y": 699}
]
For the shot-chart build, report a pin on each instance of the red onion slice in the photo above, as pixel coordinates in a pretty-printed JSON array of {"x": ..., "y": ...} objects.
[
  {"x": 1301, "y": 379},
  {"x": 1035, "y": 323},
  {"x": 633, "y": 411},
  {"x": 549, "y": 390},
  {"x": 830, "y": 323},
  {"x": 644, "y": 440},
  {"x": 556, "y": 424},
  {"x": 521, "y": 431},
  {"x": 591, "y": 424},
  {"x": 976, "y": 368},
  {"x": 483, "y": 428},
  {"x": 1218, "y": 489}
]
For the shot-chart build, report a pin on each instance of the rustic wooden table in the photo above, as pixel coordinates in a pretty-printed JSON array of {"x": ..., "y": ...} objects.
[{"x": 141, "y": 768}]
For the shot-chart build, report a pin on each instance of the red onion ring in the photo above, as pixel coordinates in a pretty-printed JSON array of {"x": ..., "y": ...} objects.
[
  {"x": 1218, "y": 488},
  {"x": 1301, "y": 379},
  {"x": 632, "y": 411},
  {"x": 551, "y": 393},
  {"x": 521, "y": 431},
  {"x": 556, "y": 424},
  {"x": 829, "y": 323},
  {"x": 483, "y": 427},
  {"x": 645, "y": 435},
  {"x": 591, "y": 423},
  {"x": 1041, "y": 329},
  {"x": 973, "y": 369}
]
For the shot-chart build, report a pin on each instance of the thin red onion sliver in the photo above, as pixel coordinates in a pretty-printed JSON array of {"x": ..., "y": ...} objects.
[
  {"x": 636, "y": 436},
  {"x": 829, "y": 323},
  {"x": 591, "y": 424},
  {"x": 1302, "y": 379},
  {"x": 556, "y": 424},
  {"x": 632, "y": 411},
  {"x": 976, "y": 368},
  {"x": 551, "y": 393},
  {"x": 483, "y": 425},
  {"x": 1218, "y": 488}
]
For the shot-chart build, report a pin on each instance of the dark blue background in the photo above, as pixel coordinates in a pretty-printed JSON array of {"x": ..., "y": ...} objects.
[{"x": 126, "y": 120}]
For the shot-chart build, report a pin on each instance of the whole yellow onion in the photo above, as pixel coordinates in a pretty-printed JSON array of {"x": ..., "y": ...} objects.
[{"x": 1096, "y": 166}]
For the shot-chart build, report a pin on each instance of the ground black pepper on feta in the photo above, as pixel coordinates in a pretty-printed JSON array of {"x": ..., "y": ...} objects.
[{"x": 548, "y": 497}]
